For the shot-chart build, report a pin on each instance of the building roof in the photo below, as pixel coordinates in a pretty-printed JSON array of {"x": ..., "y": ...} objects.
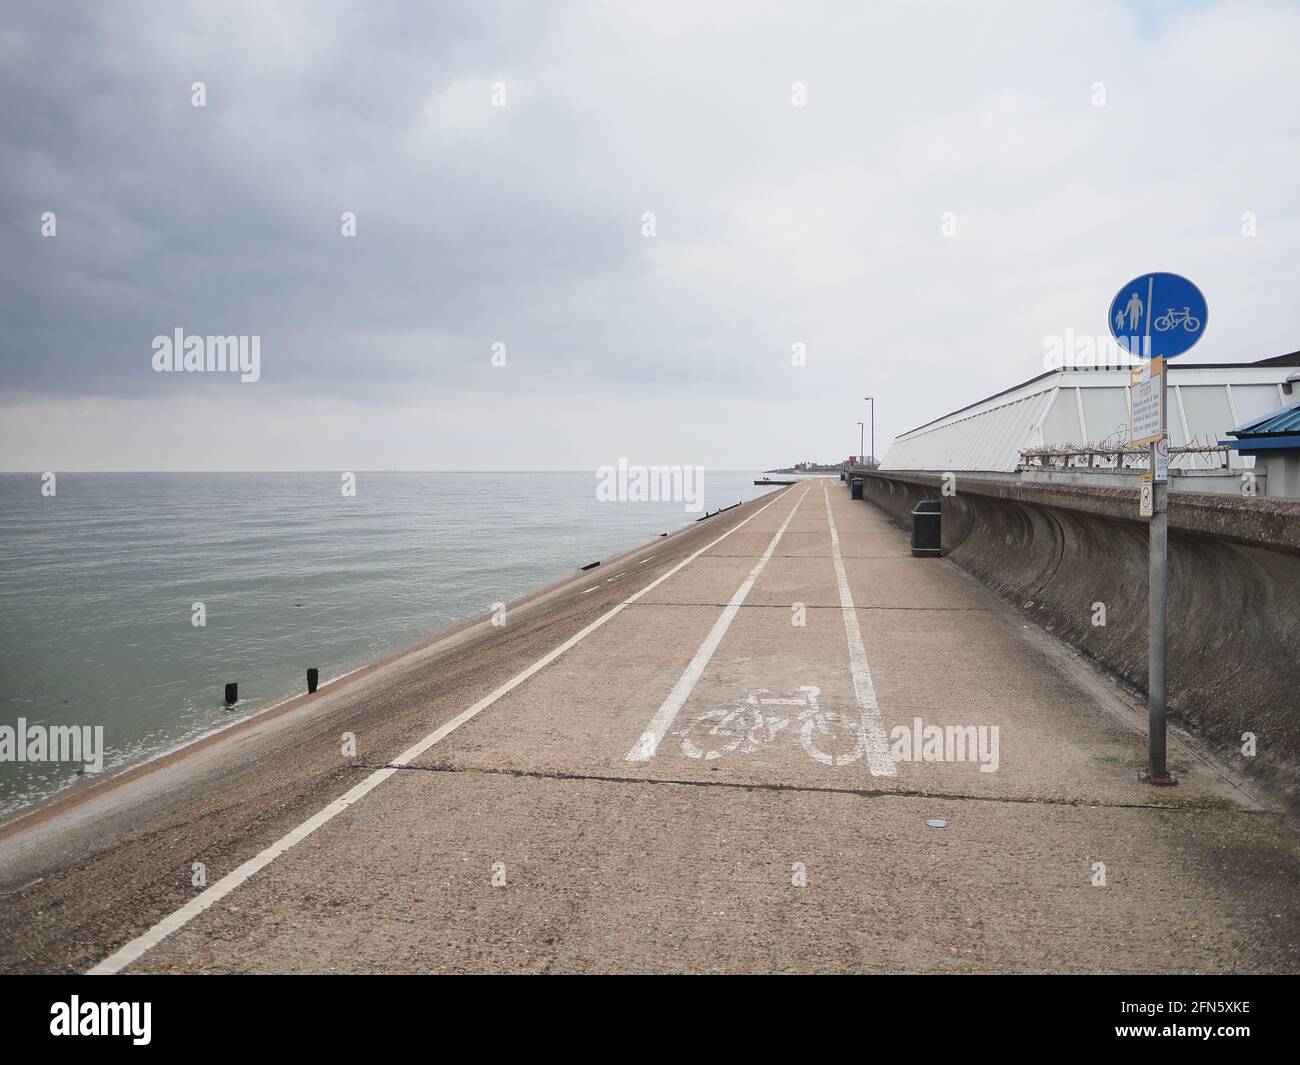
[{"x": 1292, "y": 359}]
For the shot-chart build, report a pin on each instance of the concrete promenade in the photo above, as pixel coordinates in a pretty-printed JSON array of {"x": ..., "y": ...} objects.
[{"x": 682, "y": 761}]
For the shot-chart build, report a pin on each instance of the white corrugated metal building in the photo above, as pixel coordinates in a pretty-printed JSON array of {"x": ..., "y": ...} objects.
[{"x": 1090, "y": 406}]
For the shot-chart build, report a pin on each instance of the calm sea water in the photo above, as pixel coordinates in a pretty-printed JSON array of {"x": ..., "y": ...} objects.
[{"x": 98, "y": 582}]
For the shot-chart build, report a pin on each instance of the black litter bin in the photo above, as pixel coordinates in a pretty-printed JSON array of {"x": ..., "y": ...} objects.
[
  {"x": 841, "y": 475},
  {"x": 926, "y": 530},
  {"x": 855, "y": 491}
]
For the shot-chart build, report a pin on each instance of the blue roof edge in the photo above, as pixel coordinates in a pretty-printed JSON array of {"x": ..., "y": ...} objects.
[
  {"x": 1286, "y": 442},
  {"x": 1281, "y": 421}
]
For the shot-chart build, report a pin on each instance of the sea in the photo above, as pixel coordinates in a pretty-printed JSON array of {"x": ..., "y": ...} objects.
[{"x": 101, "y": 581}]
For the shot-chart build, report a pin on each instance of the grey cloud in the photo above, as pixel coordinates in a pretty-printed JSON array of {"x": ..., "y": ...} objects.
[{"x": 775, "y": 224}]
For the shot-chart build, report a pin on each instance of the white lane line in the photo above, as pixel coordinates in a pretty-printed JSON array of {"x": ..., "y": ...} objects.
[
  {"x": 588, "y": 591},
  {"x": 644, "y": 748},
  {"x": 878, "y": 754},
  {"x": 214, "y": 893}
]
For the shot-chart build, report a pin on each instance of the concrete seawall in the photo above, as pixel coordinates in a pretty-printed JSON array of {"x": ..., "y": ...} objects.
[{"x": 1234, "y": 593}]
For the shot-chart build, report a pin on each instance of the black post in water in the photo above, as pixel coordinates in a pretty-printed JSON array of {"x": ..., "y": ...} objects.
[
  {"x": 232, "y": 694},
  {"x": 313, "y": 676}
]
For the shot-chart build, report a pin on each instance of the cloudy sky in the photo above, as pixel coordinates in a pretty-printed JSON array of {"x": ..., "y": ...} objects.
[{"x": 1063, "y": 147}]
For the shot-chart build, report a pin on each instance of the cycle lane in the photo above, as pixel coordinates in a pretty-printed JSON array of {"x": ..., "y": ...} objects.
[{"x": 779, "y": 701}]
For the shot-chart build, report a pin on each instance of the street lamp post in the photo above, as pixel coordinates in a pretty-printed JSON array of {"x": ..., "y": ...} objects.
[
  {"x": 861, "y": 458},
  {"x": 872, "y": 401}
]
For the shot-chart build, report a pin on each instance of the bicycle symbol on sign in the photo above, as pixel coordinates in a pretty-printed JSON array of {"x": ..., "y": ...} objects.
[
  {"x": 826, "y": 736},
  {"x": 1172, "y": 318}
]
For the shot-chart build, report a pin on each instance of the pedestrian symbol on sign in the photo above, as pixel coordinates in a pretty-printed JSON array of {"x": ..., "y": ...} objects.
[{"x": 1132, "y": 312}]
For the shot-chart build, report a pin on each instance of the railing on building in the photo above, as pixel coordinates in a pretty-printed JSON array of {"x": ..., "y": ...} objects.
[{"x": 1118, "y": 457}]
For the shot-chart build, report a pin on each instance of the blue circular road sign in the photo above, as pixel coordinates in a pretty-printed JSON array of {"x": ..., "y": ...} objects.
[{"x": 1158, "y": 316}]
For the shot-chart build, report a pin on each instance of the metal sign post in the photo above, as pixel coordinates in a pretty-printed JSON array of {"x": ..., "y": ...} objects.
[
  {"x": 1156, "y": 317},
  {"x": 1158, "y": 613}
]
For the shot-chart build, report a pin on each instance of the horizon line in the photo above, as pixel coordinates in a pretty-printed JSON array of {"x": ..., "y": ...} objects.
[{"x": 583, "y": 469}]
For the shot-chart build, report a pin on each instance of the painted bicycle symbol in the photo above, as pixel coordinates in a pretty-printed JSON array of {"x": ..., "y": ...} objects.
[
  {"x": 1172, "y": 318},
  {"x": 826, "y": 736}
]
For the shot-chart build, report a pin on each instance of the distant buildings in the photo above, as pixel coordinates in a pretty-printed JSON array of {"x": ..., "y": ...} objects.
[
  {"x": 1074, "y": 422},
  {"x": 809, "y": 466}
]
